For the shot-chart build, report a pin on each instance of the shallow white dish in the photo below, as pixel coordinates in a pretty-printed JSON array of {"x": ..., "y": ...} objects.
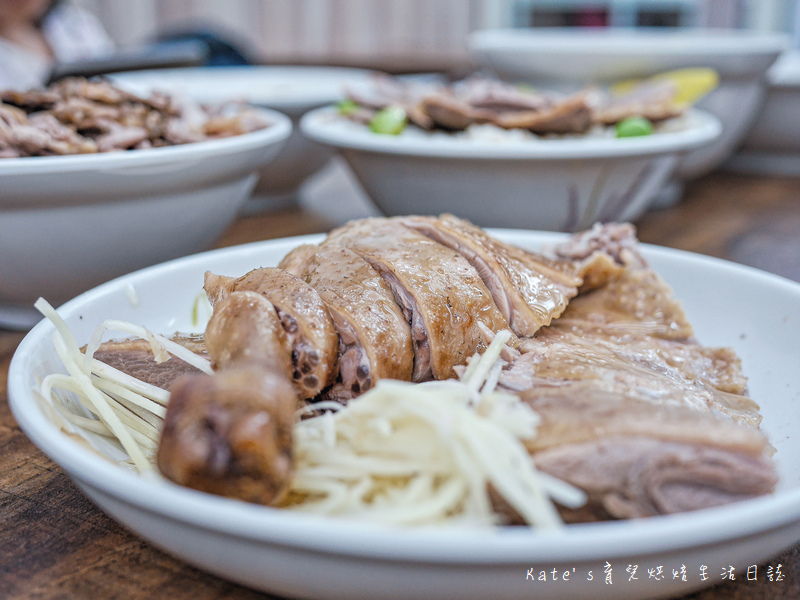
[
  {"x": 576, "y": 57},
  {"x": 309, "y": 557},
  {"x": 545, "y": 184},
  {"x": 69, "y": 223},
  {"x": 292, "y": 90}
]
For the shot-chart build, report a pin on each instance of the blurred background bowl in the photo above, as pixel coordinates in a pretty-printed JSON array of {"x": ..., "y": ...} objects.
[
  {"x": 292, "y": 90},
  {"x": 561, "y": 184},
  {"x": 572, "y": 58},
  {"x": 69, "y": 223},
  {"x": 772, "y": 147}
]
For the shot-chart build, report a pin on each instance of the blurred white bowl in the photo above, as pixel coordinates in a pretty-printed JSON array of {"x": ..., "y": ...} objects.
[
  {"x": 549, "y": 184},
  {"x": 290, "y": 90},
  {"x": 68, "y": 223},
  {"x": 772, "y": 147},
  {"x": 576, "y": 57}
]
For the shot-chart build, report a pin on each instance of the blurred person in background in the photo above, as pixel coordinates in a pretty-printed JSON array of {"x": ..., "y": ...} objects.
[{"x": 36, "y": 34}]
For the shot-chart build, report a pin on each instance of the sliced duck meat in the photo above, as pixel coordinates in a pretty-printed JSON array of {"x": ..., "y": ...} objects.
[
  {"x": 440, "y": 293},
  {"x": 135, "y": 358},
  {"x": 308, "y": 326},
  {"x": 76, "y": 116},
  {"x": 570, "y": 115},
  {"x": 231, "y": 433},
  {"x": 617, "y": 240},
  {"x": 635, "y": 459},
  {"x": 245, "y": 328},
  {"x": 631, "y": 337},
  {"x": 634, "y": 302},
  {"x": 374, "y": 335},
  {"x": 298, "y": 259},
  {"x": 651, "y": 370},
  {"x": 499, "y": 96},
  {"x": 530, "y": 290},
  {"x": 384, "y": 91},
  {"x": 448, "y": 112},
  {"x": 641, "y": 477},
  {"x": 601, "y": 253},
  {"x": 653, "y": 101}
]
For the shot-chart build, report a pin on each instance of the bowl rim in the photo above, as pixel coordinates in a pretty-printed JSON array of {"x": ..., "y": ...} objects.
[
  {"x": 345, "y": 537},
  {"x": 279, "y": 130},
  {"x": 335, "y": 76},
  {"x": 682, "y": 41},
  {"x": 324, "y": 126}
]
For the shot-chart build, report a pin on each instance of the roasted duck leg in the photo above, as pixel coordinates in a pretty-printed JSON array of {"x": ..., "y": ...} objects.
[{"x": 230, "y": 433}]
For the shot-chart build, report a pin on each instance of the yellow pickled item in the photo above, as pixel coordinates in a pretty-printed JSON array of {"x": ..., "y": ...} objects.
[{"x": 691, "y": 84}]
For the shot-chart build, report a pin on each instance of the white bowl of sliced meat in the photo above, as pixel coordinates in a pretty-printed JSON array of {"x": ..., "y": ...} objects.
[
  {"x": 96, "y": 182},
  {"x": 572, "y": 58},
  {"x": 415, "y": 407},
  {"x": 292, "y": 90},
  {"x": 509, "y": 156}
]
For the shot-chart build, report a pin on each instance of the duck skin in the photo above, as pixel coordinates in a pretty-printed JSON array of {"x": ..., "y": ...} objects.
[
  {"x": 529, "y": 289},
  {"x": 308, "y": 327},
  {"x": 374, "y": 336},
  {"x": 440, "y": 293}
]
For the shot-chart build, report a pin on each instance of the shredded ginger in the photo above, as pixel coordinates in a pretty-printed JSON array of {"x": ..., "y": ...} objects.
[{"x": 401, "y": 453}]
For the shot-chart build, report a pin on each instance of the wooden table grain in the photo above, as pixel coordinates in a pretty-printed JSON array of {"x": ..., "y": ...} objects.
[{"x": 54, "y": 543}]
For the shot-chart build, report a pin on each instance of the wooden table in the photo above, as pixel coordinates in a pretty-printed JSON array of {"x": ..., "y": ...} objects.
[{"x": 55, "y": 544}]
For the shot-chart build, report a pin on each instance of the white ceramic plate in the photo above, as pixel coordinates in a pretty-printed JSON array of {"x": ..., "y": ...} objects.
[{"x": 310, "y": 557}]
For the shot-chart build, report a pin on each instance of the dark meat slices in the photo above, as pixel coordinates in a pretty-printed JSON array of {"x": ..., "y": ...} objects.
[
  {"x": 571, "y": 115},
  {"x": 310, "y": 332},
  {"x": 631, "y": 337},
  {"x": 135, "y": 358},
  {"x": 634, "y": 410},
  {"x": 375, "y": 338},
  {"x": 441, "y": 294},
  {"x": 530, "y": 290},
  {"x": 637, "y": 459},
  {"x": 448, "y": 112}
]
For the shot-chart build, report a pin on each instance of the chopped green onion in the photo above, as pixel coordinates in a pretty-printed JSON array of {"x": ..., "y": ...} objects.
[
  {"x": 346, "y": 107},
  {"x": 390, "y": 121},
  {"x": 634, "y": 127}
]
